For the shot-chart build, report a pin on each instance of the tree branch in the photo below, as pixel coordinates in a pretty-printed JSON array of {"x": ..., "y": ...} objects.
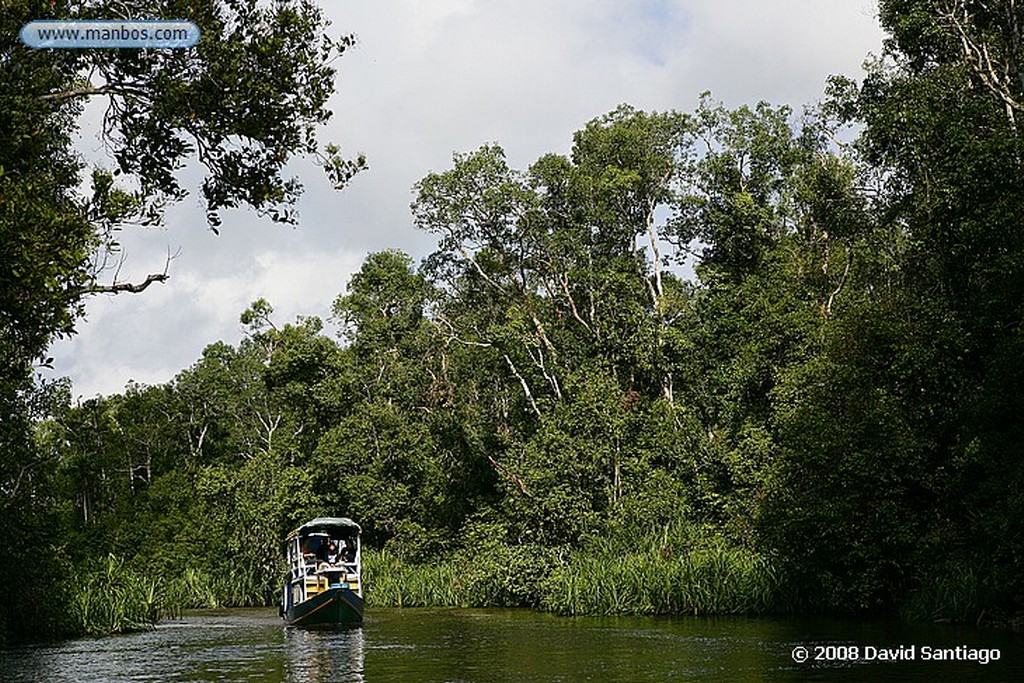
[
  {"x": 117, "y": 288},
  {"x": 134, "y": 288},
  {"x": 522, "y": 382},
  {"x": 564, "y": 281},
  {"x": 977, "y": 55},
  {"x": 826, "y": 310},
  {"x": 91, "y": 90},
  {"x": 501, "y": 469}
]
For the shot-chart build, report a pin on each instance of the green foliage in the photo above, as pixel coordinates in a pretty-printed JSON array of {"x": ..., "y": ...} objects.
[
  {"x": 36, "y": 601},
  {"x": 545, "y": 413},
  {"x": 952, "y": 592},
  {"x": 248, "y": 98},
  {"x": 897, "y": 459},
  {"x": 709, "y": 577},
  {"x": 509, "y": 577},
  {"x": 851, "y": 477},
  {"x": 396, "y": 585},
  {"x": 194, "y": 589},
  {"x": 108, "y": 597},
  {"x": 385, "y": 304},
  {"x": 713, "y": 579}
]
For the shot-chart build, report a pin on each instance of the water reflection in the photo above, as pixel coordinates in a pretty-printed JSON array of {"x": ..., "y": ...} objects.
[
  {"x": 497, "y": 646},
  {"x": 325, "y": 656}
]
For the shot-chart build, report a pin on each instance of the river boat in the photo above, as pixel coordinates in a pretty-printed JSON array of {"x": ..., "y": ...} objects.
[{"x": 323, "y": 586}]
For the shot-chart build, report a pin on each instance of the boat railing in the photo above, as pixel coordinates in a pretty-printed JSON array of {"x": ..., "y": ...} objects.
[{"x": 305, "y": 564}]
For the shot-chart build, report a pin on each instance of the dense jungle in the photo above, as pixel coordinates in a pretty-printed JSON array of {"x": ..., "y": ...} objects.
[{"x": 727, "y": 360}]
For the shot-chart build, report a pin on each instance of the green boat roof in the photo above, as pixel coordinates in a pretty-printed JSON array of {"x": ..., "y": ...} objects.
[{"x": 325, "y": 524}]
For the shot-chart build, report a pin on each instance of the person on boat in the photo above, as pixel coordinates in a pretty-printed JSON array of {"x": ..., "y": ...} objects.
[{"x": 333, "y": 552}]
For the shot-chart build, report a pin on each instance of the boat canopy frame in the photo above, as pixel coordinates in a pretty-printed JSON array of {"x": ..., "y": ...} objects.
[{"x": 325, "y": 525}]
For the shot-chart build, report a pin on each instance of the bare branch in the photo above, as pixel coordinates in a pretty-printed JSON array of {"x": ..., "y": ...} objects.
[
  {"x": 826, "y": 310},
  {"x": 977, "y": 55},
  {"x": 127, "y": 286},
  {"x": 564, "y": 281},
  {"x": 487, "y": 278},
  {"x": 134, "y": 288},
  {"x": 538, "y": 360},
  {"x": 501, "y": 469},
  {"x": 526, "y": 387}
]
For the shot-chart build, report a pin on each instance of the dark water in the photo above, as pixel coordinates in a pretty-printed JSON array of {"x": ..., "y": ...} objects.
[{"x": 497, "y": 645}]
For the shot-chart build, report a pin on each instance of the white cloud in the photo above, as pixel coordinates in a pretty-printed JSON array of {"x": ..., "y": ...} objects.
[
  {"x": 149, "y": 337},
  {"x": 427, "y": 79}
]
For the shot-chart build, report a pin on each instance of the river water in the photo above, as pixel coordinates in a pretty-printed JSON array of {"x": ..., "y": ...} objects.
[{"x": 518, "y": 645}]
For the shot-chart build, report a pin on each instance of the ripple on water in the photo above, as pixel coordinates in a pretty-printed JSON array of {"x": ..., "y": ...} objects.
[{"x": 489, "y": 646}]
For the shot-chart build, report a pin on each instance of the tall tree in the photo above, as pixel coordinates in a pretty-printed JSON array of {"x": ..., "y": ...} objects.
[
  {"x": 242, "y": 102},
  {"x": 918, "y": 432}
]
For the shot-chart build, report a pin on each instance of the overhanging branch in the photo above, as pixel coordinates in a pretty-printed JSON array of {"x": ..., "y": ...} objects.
[
  {"x": 131, "y": 287},
  {"x": 134, "y": 288}
]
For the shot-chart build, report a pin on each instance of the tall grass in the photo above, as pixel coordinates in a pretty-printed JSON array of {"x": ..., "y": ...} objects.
[
  {"x": 955, "y": 593},
  {"x": 390, "y": 582},
  {"x": 194, "y": 588},
  {"x": 504, "y": 577},
  {"x": 201, "y": 589},
  {"x": 109, "y": 597},
  {"x": 711, "y": 578}
]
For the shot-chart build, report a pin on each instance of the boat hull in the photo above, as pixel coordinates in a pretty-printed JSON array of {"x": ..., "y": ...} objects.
[{"x": 333, "y": 607}]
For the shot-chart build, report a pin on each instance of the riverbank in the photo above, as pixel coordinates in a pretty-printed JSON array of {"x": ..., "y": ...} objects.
[{"x": 711, "y": 579}]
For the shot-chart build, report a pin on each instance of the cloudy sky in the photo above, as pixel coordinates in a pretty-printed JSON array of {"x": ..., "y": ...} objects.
[{"x": 428, "y": 79}]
